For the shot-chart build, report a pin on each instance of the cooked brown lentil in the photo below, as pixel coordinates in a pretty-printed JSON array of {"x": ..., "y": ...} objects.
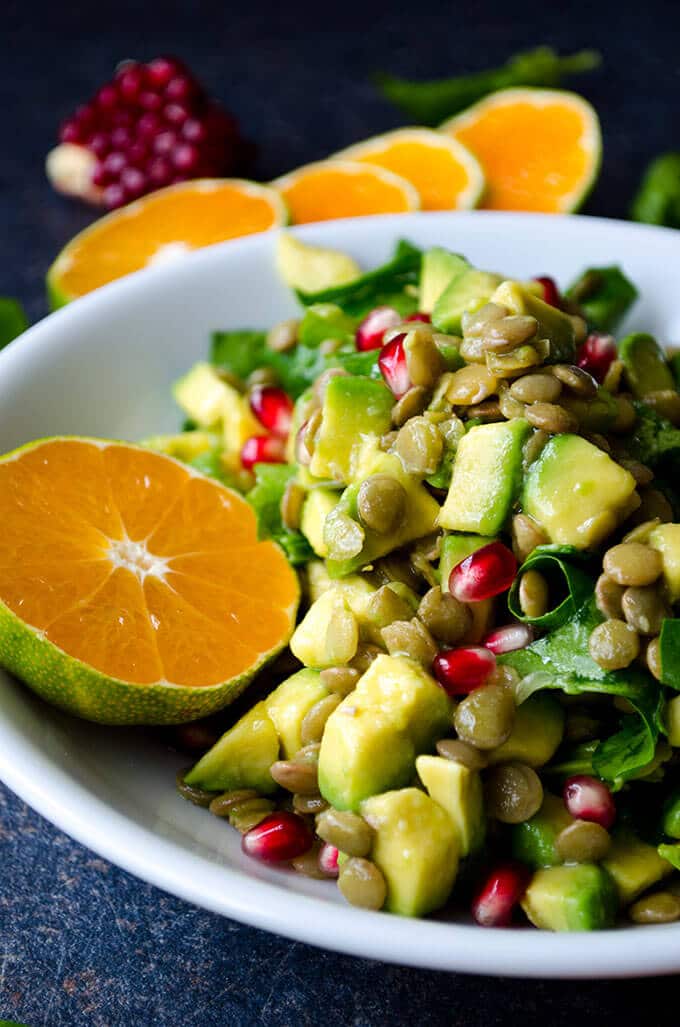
[
  {"x": 308, "y": 864},
  {"x": 653, "y": 504},
  {"x": 283, "y": 336},
  {"x": 347, "y": 539},
  {"x": 340, "y": 680},
  {"x": 632, "y": 563},
  {"x": 575, "y": 379},
  {"x": 362, "y": 884},
  {"x": 661, "y": 907},
  {"x": 608, "y": 596},
  {"x": 306, "y": 438},
  {"x": 321, "y": 383},
  {"x": 613, "y": 645},
  {"x": 626, "y": 416},
  {"x": 641, "y": 532},
  {"x": 347, "y": 831},
  {"x": 294, "y": 776},
  {"x": 386, "y": 605},
  {"x": 505, "y": 676},
  {"x": 598, "y": 440},
  {"x": 507, "y": 404},
  {"x": 249, "y": 814},
  {"x": 308, "y": 753},
  {"x": 410, "y": 638},
  {"x": 536, "y": 388},
  {"x": 423, "y": 359},
  {"x": 199, "y": 796},
  {"x": 583, "y": 842},
  {"x": 364, "y": 656},
  {"x": 613, "y": 378},
  {"x": 488, "y": 411},
  {"x": 644, "y": 609},
  {"x": 314, "y": 721},
  {"x": 526, "y": 534},
  {"x": 485, "y": 717},
  {"x": 508, "y": 332},
  {"x": 222, "y": 805},
  {"x": 419, "y": 446},
  {"x": 653, "y": 657},
  {"x": 666, "y": 403},
  {"x": 533, "y": 594},
  {"x": 309, "y": 805},
  {"x": 410, "y": 405},
  {"x": 551, "y": 418},
  {"x": 461, "y": 752},
  {"x": 444, "y": 616},
  {"x": 513, "y": 792},
  {"x": 643, "y": 475},
  {"x": 291, "y": 505},
  {"x": 471, "y": 384},
  {"x": 479, "y": 321},
  {"x": 262, "y": 376},
  {"x": 510, "y": 365},
  {"x": 424, "y": 568},
  {"x": 387, "y": 440},
  {"x": 381, "y": 503}
]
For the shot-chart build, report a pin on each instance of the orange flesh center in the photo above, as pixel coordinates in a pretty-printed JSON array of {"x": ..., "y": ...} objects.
[
  {"x": 162, "y": 225},
  {"x": 434, "y": 171},
  {"x": 533, "y": 156},
  {"x": 128, "y": 562},
  {"x": 325, "y": 193}
]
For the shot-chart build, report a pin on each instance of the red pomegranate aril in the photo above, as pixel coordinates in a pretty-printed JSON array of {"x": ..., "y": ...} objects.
[
  {"x": 328, "y": 860},
  {"x": 159, "y": 172},
  {"x": 137, "y": 153},
  {"x": 277, "y": 838},
  {"x": 419, "y": 315},
  {"x": 460, "y": 671},
  {"x": 107, "y": 97},
  {"x": 133, "y": 182},
  {"x": 148, "y": 125},
  {"x": 99, "y": 144},
  {"x": 71, "y": 132},
  {"x": 175, "y": 113},
  {"x": 509, "y": 638},
  {"x": 371, "y": 331},
  {"x": 496, "y": 899},
  {"x": 273, "y": 408},
  {"x": 115, "y": 196},
  {"x": 393, "y": 366},
  {"x": 150, "y": 101},
  {"x": 181, "y": 87},
  {"x": 586, "y": 798},
  {"x": 484, "y": 574},
  {"x": 185, "y": 157},
  {"x": 121, "y": 137},
  {"x": 100, "y": 175},
  {"x": 130, "y": 81},
  {"x": 551, "y": 294},
  {"x": 597, "y": 354},
  {"x": 194, "y": 131},
  {"x": 262, "y": 449},
  {"x": 161, "y": 70}
]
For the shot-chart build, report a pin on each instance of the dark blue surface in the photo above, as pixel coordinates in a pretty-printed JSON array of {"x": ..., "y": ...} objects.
[{"x": 82, "y": 943}]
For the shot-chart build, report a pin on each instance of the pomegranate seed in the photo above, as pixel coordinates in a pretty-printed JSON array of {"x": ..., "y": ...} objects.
[
  {"x": 462, "y": 670},
  {"x": 107, "y": 98},
  {"x": 148, "y": 125},
  {"x": 328, "y": 860},
  {"x": 130, "y": 81},
  {"x": 133, "y": 182},
  {"x": 175, "y": 113},
  {"x": 484, "y": 574},
  {"x": 185, "y": 157},
  {"x": 262, "y": 449},
  {"x": 370, "y": 333},
  {"x": 100, "y": 175},
  {"x": 194, "y": 131},
  {"x": 586, "y": 798},
  {"x": 99, "y": 144},
  {"x": 161, "y": 70},
  {"x": 159, "y": 172},
  {"x": 495, "y": 901},
  {"x": 150, "y": 101},
  {"x": 113, "y": 164},
  {"x": 277, "y": 838},
  {"x": 121, "y": 137},
  {"x": 551, "y": 294},
  {"x": 273, "y": 408},
  {"x": 393, "y": 366},
  {"x": 137, "y": 154},
  {"x": 114, "y": 196},
  {"x": 181, "y": 87},
  {"x": 597, "y": 354},
  {"x": 71, "y": 132},
  {"x": 164, "y": 143},
  {"x": 509, "y": 638},
  {"x": 419, "y": 315}
]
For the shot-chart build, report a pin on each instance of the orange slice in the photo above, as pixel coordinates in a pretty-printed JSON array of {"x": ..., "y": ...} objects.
[
  {"x": 159, "y": 227},
  {"x": 540, "y": 148},
  {"x": 133, "y": 590},
  {"x": 444, "y": 172},
  {"x": 344, "y": 189}
]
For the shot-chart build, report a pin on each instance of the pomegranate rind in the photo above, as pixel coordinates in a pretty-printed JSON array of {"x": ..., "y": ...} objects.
[{"x": 74, "y": 686}]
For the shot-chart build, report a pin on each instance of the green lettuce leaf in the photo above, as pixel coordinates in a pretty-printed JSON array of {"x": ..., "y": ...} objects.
[
  {"x": 265, "y": 498},
  {"x": 570, "y": 585},
  {"x": 394, "y": 284},
  {"x": 653, "y": 441},
  {"x": 669, "y": 643},
  {"x": 13, "y": 320}
]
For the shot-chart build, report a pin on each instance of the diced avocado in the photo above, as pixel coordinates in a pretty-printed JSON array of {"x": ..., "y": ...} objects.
[
  {"x": 604, "y": 295},
  {"x": 577, "y": 493},
  {"x": 317, "y": 505},
  {"x": 312, "y": 268},
  {"x": 323, "y": 321},
  {"x": 203, "y": 395},
  {"x": 553, "y": 325},
  {"x": 634, "y": 865},
  {"x": 645, "y": 365},
  {"x": 371, "y": 740},
  {"x": 438, "y": 270},
  {"x": 468, "y": 291},
  {"x": 672, "y": 720},
  {"x": 416, "y": 847},
  {"x": 186, "y": 445},
  {"x": 671, "y": 815},
  {"x": 328, "y": 634},
  {"x": 533, "y": 841},
  {"x": 536, "y": 732},
  {"x": 242, "y": 756},
  {"x": 487, "y": 472},
  {"x": 419, "y": 517},
  {"x": 597, "y": 414},
  {"x": 579, "y": 897},
  {"x": 288, "y": 705},
  {"x": 666, "y": 539},
  {"x": 353, "y": 409},
  {"x": 458, "y": 790}
]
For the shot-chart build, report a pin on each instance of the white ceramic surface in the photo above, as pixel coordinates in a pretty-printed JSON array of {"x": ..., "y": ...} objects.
[{"x": 104, "y": 366}]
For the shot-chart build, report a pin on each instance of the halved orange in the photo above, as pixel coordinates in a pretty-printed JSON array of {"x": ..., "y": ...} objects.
[
  {"x": 160, "y": 227},
  {"x": 344, "y": 189},
  {"x": 540, "y": 148},
  {"x": 444, "y": 172},
  {"x": 133, "y": 590}
]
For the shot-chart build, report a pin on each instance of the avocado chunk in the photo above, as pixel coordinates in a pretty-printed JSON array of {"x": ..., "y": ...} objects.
[
  {"x": 645, "y": 365},
  {"x": 354, "y": 408},
  {"x": 533, "y": 841},
  {"x": 317, "y": 505},
  {"x": 672, "y": 719},
  {"x": 372, "y": 738},
  {"x": 605, "y": 295},
  {"x": 186, "y": 445},
  {"x": 416, "y": 847},
  {"x": 666, "y": 539},
  {"x": 418, "y": 519},
  {"x": 323, "y": 321},
  {"x": 203, "y": 395},
  {"x": 312, "y": 268},
  {"x": 328, "y": 634},
  {"x": 438, "y": 269},
  {"x": 536, "y": 732},
  {"x": 468, "y": 291},
  {"x": 241, "y": 758},
  {"x": 486, "y": 478},
  {"x": 553, "y": 325},
  {"x": 671, "y": 815},
  {"x": 289, "y": 704},
  {"x": 576, "y": 492},
  {"x": 458, "y": 790},
  {"x": 634, "y": 865},
  {"x": 580, "y": 897}
]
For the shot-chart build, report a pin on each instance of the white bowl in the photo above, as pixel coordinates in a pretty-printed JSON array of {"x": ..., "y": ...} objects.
[{"x": 104, "y": 366}]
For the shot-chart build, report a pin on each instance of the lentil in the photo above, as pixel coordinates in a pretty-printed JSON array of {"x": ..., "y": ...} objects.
[
  {"x": 410, "y": 405},
  {"x": 643, "y": 475},
  {"x": 506, "y": 333},
  {"x": 423, "y": 359},
  {"x": 613, "y": 645},
  {"x": 644, "y": 609},
  {"x": 321, "y": 383},
  {"x": 642, "y": 531},
  {"x": 551, "y": 418},
  {"x": 612, "y": 379},
  {"x": 461, "y": 752},
  {"x": 249, "y": 814},
  {"x": 513, "y": 793},
  {"x": 199, "y": 796},
  {"x": 362, "y": 883},
  {"x": 653, "y": 658},
  {"x": 347, "y": 831},
  {"x": 526, "y": 534},
  {"x": 309, "y": 805},
  {"x": 262, "y": 376},
  {"x": 666, "y": 403},
  {"x": 583, "y": 842},
  {"x": 661, "y": 907},
  {"x": 387, "y": 441},
  {"x": 364, "y": 656},
  {"x": 222, "y": 805},
  {"x": 510, "y": 365},
  {"x": 381, "y": 503},
  {"x": 291, "y": 505},
  {"x": 444, "y": 616},
  {"x": 487, "y": 411},
  {"x": 314, "y": 721},
  {"x": 576, "y": 380},
  {"x": 294, "y": 776},
  {"x": 283, "y": 336},
  {"x": 477, "y": 323},
  {"x": 580, "y": 727},
  {"x": 346, "y": 539},
  {"x": 470, "y": 385},
  {"x": 626, "y": 416},
  {"x": 536, "y": 388},
  {"x": 340, "y": 680},
  {"x": 410, "y": 638},
  {"x": 653, "y": 505},
  {"x": 533, "y": 594},
  {"x": 419, "y": 446},
  {"x": 385, "y": 606},
  {"x": 308, "y": 864},
  {"x": 485, "y": 717},
  {"x": 608, "y": 596},
  {"x": 507, "y": 404},
  {"x": 632, "y": 563}
]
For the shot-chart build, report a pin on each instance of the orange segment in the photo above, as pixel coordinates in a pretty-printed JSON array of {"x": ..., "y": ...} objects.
[
  {"x": 444, "y": 172},
  {"x": 238, "y": 565},
  {"x": 140, "y": 486},
  {"x": 39, "y": 593},
  {"x": 344, "y": 189},
  {"x": 202, "y": 521},
  {"x": 539, "y": 148},
  {"x": 160, "y": 226}
]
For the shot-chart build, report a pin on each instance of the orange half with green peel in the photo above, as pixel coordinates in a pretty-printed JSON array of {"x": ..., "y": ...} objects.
[
  {"x": 540, "y": 148},
  {"x": 344, "y": 189},
  {"x": 160, "y": 227},
  {"x": 445, "y": 173},
  {"x": 133, "y": 590}
]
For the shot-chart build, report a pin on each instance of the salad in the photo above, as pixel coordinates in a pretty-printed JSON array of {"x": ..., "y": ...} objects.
[{"x": 477, "y": 484}]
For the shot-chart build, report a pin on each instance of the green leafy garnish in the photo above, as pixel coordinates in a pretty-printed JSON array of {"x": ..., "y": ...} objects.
[
  {"x": 13, "y": 320},
  {"x": 657, "y": 201},
  {"x": 265, "y": 498},
  {"x": 570, "y": 585},
  {"x": 394, "y": 284},
  {"x": 429, "y": 103},
  {"x": 240, "y": 352},
  {"x": 654, "y": 440},
  {"x": 605, "y": 295},
  {"x": 669, "y": 652}
]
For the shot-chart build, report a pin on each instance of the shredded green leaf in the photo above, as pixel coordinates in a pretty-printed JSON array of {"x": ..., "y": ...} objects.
[
  {"x": 265, "y": 498},
  {"x": 393, "y": 284},
  {"x": 13, "y": 320},
  {"x": 569, "y": 583}
]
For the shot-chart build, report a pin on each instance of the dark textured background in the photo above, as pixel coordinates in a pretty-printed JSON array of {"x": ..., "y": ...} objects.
[{"x": 82, "y": 943}]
